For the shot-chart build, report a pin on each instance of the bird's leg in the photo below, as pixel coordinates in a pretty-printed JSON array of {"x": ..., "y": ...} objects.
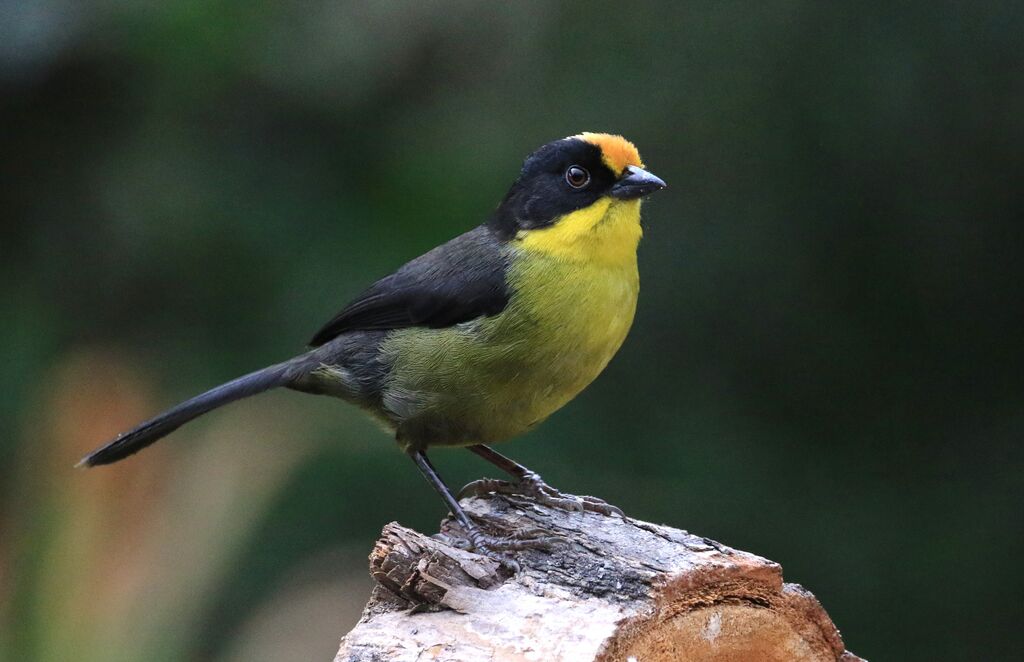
[
  {"x": 479, "y": 541},
  {"x": 530, "y": 483}
]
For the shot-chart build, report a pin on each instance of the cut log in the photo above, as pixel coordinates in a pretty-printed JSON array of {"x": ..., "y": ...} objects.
[{"x": 614, "y": 588}]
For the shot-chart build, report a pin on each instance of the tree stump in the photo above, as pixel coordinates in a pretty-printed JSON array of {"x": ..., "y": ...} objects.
[{"x": 615, "y": 589}]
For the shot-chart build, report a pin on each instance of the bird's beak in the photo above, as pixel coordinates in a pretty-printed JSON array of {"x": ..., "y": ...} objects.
[{"x": 636, "y": 183}]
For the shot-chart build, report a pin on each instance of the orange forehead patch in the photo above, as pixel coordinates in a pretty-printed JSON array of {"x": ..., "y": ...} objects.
[{"x": 616, "y": 151}]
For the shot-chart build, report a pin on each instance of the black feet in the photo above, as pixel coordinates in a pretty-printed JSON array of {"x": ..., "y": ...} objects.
[
  {"x": 530, "y": 484},
  {"x": 498, "y": 548},
  {"x": 469, "y": 536}
]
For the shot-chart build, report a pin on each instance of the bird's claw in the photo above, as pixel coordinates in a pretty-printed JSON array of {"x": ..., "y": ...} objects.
[
  {"x": 532, "y": 485},
  {"x": 497, "y": 547},
  {"x": 482, "y": 487}
]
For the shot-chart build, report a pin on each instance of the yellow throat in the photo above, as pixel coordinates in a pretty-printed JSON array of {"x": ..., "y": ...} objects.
[{"x": 606, "y": 233}]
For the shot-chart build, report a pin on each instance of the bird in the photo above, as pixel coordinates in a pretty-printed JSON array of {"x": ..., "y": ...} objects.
[{"x": 483, "y": 337}]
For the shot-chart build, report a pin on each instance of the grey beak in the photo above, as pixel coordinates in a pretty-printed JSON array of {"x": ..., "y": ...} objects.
[{"x": 636, "y": 183}]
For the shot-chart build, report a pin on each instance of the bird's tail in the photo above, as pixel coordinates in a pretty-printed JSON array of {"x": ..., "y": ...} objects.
[{"x": 169, "y": 421}]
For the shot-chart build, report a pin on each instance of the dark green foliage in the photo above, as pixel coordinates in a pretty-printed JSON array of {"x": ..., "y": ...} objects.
[{"x": 826, "y": 364}]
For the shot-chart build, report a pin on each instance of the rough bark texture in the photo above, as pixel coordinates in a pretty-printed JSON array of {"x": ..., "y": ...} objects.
[{"x": 615, "y": 589}]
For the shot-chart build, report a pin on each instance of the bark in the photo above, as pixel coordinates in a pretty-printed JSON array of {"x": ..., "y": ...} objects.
[{"x": 612, "y": 589}]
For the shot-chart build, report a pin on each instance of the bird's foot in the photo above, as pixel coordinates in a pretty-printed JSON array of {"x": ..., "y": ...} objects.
[
  {"x": 498, "y": 548},
  {"x": 531, "y": 484}
]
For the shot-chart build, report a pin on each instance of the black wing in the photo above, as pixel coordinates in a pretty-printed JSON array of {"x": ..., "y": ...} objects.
[{"x": 455, "y": 282}]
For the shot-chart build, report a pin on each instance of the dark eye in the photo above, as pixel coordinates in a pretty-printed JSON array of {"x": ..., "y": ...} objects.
[{"x": 577, "y": 176}]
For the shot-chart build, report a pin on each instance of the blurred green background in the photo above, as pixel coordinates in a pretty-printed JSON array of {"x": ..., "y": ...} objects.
[{"x": 825, "y": 369}]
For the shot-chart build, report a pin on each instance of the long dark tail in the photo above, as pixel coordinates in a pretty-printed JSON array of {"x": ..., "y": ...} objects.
[{"x": 169, "y": 421}]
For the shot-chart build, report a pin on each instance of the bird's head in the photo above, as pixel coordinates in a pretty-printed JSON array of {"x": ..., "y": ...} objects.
[{"x": 578, "y": 197}]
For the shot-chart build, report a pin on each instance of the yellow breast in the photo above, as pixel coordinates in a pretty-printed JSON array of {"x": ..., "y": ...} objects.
[{"x": 574, "y": 288}]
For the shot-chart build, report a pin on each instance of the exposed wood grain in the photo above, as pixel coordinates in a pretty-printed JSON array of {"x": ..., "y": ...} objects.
[{"x": 615, "y": 589}]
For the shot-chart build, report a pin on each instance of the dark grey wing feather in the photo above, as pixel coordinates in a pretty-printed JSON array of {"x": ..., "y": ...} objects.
[{"x": 458, "y": 281}]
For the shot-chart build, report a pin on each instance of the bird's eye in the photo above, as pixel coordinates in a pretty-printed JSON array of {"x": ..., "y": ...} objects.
[{"x": 577, "y": 176}]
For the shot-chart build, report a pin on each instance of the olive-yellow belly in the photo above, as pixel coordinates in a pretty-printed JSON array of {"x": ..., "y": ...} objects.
[{"x": 493, "y": 378}]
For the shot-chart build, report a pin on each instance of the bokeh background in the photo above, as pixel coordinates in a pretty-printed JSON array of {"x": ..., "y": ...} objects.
[{"x": 825, "y": 368}]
